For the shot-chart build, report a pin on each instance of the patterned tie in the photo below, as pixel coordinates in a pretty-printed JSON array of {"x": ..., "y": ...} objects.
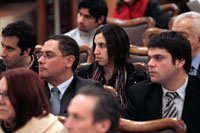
[
  {"x": 193, "y": 71},
  {"x": 170, "y": 108},
  {"x": 55, "y": 101}
]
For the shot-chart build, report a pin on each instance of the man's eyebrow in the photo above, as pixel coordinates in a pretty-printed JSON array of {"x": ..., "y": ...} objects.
[{"x": 47, "y": 52}]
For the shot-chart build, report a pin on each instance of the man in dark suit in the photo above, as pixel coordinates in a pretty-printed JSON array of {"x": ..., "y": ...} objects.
[
  {"x": 57, "y": 62},
  {"x": 170, "y": 60}
]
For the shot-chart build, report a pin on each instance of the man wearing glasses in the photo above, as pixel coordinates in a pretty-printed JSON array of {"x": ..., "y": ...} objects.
[{"x": 57, "y": 62}]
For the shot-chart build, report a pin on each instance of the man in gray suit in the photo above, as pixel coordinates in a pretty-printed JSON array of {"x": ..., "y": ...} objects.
[{"x": 57, "y": 62}]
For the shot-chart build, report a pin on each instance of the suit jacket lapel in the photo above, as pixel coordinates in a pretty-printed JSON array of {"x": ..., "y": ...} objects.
[
  {"x": 198, "y": 71},
  {"x": 48, "y": 93},
  {"x": 154, "y": 103},
  {"x": 68, "y": 95},
  {"x": 191, "y": 97}
]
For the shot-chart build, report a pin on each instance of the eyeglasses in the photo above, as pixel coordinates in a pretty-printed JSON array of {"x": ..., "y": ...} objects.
[
  {"x": 47, "y": 56},
  {"x": 4, "y": 95}
]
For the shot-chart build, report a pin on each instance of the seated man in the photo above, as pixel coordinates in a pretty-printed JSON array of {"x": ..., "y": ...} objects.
[
  {"x": 91, "y": 14},
  {"x": 171, "y": 92},
  {"x": 188, "y": 23},
  {"x": 18, "y": 43},
  {"x": 57, "y": 62},
  {"x": 93, "y": 110}
]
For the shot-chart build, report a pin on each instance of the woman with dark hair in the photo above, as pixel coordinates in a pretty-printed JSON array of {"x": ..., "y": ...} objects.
[
  {"x": 23, "y": 104},
  {"x": 111, "y": 66},
  {"x": 130, "y": 9}
]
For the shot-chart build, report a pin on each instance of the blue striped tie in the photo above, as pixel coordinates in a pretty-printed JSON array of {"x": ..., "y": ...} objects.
[
  {"x": 55, "y": 101},
  {"x": 170, "y": 108}
]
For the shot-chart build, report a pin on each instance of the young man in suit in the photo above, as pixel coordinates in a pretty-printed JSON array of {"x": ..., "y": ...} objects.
[
  {"x": 188, "y": 23},
  {"x": 57, "y": 62},
  {"x": 171, "y": 91}
]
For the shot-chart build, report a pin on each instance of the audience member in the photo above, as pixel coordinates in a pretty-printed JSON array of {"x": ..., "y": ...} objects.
[
  {"x": 130, "y": 9},
  {"x": 189, "y": 23},
  {"x": 171, "y": 92},
  {"x": 18, "y": 43},
  {"x": 100, "y": 114},
  {"x": 58, "y": 60},
  {"x": 91, "y": 14},
  {"x": 111, "y": 67},
  {"x": 23, "y": 105}
]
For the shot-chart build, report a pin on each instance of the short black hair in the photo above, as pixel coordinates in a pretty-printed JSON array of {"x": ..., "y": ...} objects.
[
  {"x": 97, "y": 8},
  {"x": 107, "y": 106},
  {"x": 24, "y": 32},
  {"x": 67, "y": 46},
  {"x": 176, "y": 44},
  {"x": 117, "y": 42}
]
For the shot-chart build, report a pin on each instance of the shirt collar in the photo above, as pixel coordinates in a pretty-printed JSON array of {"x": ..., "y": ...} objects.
[
  {"x": 90, "y": 32},
  {"x": 180, "y": 90},
  {"x": 196, "y": 61},
  {"x": 63, "y": 86},
  {"x": 32, "y": 60}
]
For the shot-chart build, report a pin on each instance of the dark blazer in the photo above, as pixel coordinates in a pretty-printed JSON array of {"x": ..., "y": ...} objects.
[
  {"x": 145, "y": 103},
  {"x": 76, "y": 83}
]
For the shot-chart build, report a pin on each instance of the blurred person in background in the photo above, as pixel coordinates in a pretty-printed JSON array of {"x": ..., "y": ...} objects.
[
  {"x": 91, "y": 15},
  {"x": 130, "y": 9}
]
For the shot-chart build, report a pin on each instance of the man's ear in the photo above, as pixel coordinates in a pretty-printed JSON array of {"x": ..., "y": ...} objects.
[
  {"x": 180, "y": 63},
  {"x": 27, "y": 52},
  {"x": 103, "y": 126},
  {"x": 101, "y": 19},
  {"x": 198, "y": 42},
  {"x": 69, "y": 61}
]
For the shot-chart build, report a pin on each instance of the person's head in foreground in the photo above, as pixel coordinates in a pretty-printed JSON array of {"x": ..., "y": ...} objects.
[
  {"x": 93, "y": 110},
  {"x": 22, "y": 97}
]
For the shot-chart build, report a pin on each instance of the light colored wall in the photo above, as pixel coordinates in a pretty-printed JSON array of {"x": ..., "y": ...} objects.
[{"x": 16, "y": 11}]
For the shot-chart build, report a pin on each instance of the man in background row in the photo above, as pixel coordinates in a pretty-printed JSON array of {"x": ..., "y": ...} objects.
[
  {"x": 18, "y": 43},
  {"x": 189, "y": 24},
  {"x": 91, "y": 14}
]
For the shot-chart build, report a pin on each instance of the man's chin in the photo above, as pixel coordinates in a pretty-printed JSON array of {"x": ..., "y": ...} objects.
[{"x": 83, "y": 29}]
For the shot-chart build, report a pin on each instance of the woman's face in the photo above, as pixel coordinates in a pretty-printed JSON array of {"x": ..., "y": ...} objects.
[{"x": 7, "y": 112}]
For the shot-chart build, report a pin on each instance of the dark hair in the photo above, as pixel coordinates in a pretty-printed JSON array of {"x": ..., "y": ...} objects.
[
  {"x": 106, "y": 107},
  {"x": 117, "y": 42},
  {"x": 176, "y": 44},
  {"x": 26, "y": 91},
  {"x": 24, "y": 32},
  {"x": 67, "y": 46},
  {"x": 97, "y": 8}
]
